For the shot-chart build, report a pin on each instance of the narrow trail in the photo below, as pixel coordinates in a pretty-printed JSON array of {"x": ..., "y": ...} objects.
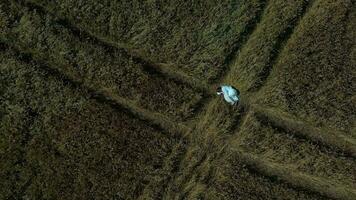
[
  {"x": 165, "y": 124},
  {"x": 163, "y": 68},
  {"x": 238, "y": 45},
  {"x": 329, "y": 138},
  {"x": 106, "y": 97},
  {"x": 296, "y": 179},
  {"x": 228, "y": 61},
  {"x": 278, "y": 48}
]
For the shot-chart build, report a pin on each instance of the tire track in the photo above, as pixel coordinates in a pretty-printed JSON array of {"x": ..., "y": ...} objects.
[
  {"x": 103, "y": 96},
  {"x": 296, "y": 179},
  {"x": 228, "y": 61},
  {"x": 100, "y": 66},
  {"x": 278, "y": 48},
  {"x": 310, "y": 132},
  {"x": 231, "y": 57},
  {"x": 160, "y": 68},
  {"x": 328, "y": 138}
]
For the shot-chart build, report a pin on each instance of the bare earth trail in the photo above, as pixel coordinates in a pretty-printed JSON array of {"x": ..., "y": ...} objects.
[{"x": 214, "y": 134}]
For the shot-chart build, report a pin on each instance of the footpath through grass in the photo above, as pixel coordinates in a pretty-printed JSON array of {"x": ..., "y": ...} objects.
[
  {"x": 296, "y": 57},
  {"x": 314, "y": 75},
  {"x": 58, "y": 143},
  {"x": 197, "y": 37},
  {"x": 95, "y": 65},
  {"x": 214, "y": 170},
  {"x": 272, "y": 143},
  {"x": 256, "y": 59}
]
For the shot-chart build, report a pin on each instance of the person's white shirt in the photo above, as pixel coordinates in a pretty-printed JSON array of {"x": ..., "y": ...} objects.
[{"x": 231, "y": 95}]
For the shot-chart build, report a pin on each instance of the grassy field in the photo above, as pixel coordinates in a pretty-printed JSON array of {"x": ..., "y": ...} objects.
[
  {"x": 58, "y": 143},
  {"x": 197, "y": 37},
  {"x": 313, "y": 77},
  {"x": 114, "y": 99},
  {"x": 98, "y": 66}
]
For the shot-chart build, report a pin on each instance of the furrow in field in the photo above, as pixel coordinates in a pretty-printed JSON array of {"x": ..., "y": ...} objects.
[
  {"x": 275, "y": 144},
  {"x": 252, "y": 66},
  {"x": 165, "y": 69},
  {"x": 238, "y": 175},
  {"x": 195, "y": 160},
  {"x": 79, "y": 147},
  {"x": 313, "y": 76},
  {"x": 274, "y": 171},
  {"x": 106, "y": 97},
  {"x": 330, "y": 138},
  {"x": 245, "y": 36},
  {"x": 280, "y": 41},
  {"x": 194, "y": 44},
  {"x": 100, "y": 68}
]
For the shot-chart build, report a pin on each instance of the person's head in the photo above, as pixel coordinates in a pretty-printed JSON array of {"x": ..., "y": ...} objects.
[{"x": 219, "y": 91}]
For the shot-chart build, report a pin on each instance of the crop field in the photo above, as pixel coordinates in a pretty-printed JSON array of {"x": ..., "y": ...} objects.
[{"x": 116, "y": 99}]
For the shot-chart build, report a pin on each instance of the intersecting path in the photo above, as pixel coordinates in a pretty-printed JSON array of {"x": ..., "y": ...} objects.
[{"x": 332, "y": 139}]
